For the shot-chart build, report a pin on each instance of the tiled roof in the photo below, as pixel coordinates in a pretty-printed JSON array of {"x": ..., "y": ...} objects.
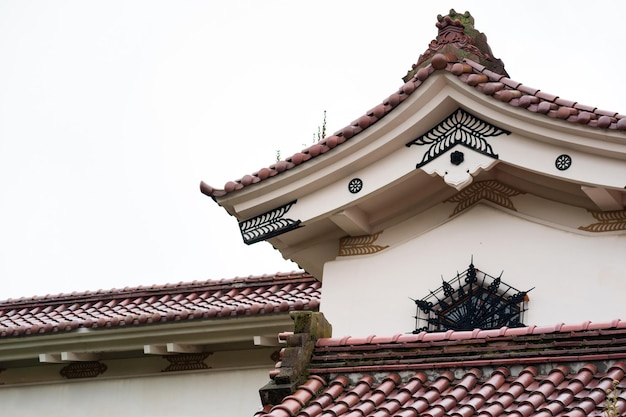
[
  {"x": 469, "y": 71},
  {"x": 562, "y": 370},
  {"x": 254, "y": 295}
]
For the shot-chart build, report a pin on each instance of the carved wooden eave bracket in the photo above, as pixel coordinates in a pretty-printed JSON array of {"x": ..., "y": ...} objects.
[{"x": 606, "y": 200}]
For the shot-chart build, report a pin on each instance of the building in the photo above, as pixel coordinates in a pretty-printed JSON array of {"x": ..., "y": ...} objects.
[
  {"x": 159, "y": 350},
  {"x": 465, "y": 200},
  {"x": 469, "y": 233}
]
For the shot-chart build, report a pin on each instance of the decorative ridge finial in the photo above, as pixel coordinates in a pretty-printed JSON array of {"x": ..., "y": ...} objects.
[{"x": 457, "y": 37}]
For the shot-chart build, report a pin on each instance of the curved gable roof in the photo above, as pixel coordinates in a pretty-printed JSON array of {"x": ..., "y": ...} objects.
[
  {"x": 462, "y": 51},
  {"x": 308, "y": 206}
]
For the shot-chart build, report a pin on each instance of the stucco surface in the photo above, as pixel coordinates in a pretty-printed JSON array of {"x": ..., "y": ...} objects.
[
  {"x": 232, "y": 393},
  {"x": 371, "y": 294}
]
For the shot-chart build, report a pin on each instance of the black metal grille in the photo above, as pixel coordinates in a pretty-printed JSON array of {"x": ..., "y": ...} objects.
[{"x": 471, "y": 300}]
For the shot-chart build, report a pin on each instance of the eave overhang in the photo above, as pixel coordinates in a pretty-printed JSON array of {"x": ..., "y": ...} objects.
[
  {"x": 392, "y": 188},
  {"x": 206, "y": 335}
]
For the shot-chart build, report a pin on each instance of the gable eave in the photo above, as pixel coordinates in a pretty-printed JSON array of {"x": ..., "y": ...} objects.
[
  {"x": 209, "y": 334},
  {"x": 433, "y": 101},
  {"x": 325, "y": 211}
]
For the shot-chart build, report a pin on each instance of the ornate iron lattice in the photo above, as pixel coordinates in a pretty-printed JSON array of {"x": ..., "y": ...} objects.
[
  {"x": 460, "y": 128},
  {"x": 268, "y": 225},
  {"x": 471, "y": 300}
]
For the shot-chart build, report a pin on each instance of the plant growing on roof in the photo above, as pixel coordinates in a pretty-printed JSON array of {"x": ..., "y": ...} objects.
[
  {"x": 321, "y": 134},
  {"x": 610, "y": 404},
  {"x": 321, "y": 131}
]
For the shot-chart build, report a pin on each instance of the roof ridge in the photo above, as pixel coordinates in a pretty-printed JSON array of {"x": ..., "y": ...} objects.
[
  {"x": 156, "y": 289},
  {"x": 584, "y": 328}
]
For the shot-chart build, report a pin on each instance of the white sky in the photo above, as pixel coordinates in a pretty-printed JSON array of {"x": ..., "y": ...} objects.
[{"x": 112, "y": 112}]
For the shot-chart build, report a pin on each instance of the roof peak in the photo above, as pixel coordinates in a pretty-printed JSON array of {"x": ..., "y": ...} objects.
[{"x": 458, "y": 38}]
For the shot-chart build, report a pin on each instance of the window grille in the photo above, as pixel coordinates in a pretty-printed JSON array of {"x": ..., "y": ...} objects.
[{"x": 471, "y": 300}]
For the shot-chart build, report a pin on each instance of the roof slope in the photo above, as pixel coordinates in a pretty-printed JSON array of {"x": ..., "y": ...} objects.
[
  {"x": 462, "y": 51},
  {"x": 254, "y": 295},
  {"x": 563, "y": 370}
]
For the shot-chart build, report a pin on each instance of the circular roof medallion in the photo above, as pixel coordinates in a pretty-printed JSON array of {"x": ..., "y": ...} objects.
[
  {"x": 563, "y": 162},
  {"x": 355, "y": 185}
]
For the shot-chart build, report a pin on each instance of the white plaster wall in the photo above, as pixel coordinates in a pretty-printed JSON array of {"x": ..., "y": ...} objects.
[
  {"x": 224, "y": 393},
  {"x": 576, "y": 277}
]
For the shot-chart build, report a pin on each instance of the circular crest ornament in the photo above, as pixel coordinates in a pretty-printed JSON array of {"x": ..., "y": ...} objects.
[
  {"x": 355, "y": 185},
  {"x": 563, "y": 162}
]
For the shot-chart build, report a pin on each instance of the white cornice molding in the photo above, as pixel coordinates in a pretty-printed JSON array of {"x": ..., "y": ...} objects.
[{"x": 134, "y": 338}]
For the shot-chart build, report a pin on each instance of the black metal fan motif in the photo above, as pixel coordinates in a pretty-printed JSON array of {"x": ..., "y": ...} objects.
[
  {"x": 471, "y": 300},
  {"x": 460, "y": 128}
]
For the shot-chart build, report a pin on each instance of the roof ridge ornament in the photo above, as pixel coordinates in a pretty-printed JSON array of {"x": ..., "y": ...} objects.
[{"x": 458, "y": 37}]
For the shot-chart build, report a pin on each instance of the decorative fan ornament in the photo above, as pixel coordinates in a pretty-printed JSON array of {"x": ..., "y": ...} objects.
[
  {"x": 471, "y": 300},
  {"x": 489, "y": 190},
  {"x": 268, "y": 224},
  {"x": 460, "y": 128}
]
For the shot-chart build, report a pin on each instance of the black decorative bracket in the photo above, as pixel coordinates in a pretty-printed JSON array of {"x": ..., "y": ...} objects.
[
  {"x": 268, "y": 225},
  {"x": 77, "y": 370},
  {"x": 459, "y": 128}
]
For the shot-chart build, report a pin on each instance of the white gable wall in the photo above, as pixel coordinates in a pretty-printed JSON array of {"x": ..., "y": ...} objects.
[{"x": 369, "y": 294}]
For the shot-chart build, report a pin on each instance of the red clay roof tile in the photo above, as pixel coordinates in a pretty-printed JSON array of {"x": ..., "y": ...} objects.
[
  {"x": 553, "y": 372},
  {"x": 156, "y": 304}
]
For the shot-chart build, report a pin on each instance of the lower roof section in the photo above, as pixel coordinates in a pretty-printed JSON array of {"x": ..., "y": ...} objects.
[
  {"x": 555, "y": 390},
  {"x": 190, "y": 319},
  {"x": 159, "y": 304},
  {"x": 564, "y": 370}
]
